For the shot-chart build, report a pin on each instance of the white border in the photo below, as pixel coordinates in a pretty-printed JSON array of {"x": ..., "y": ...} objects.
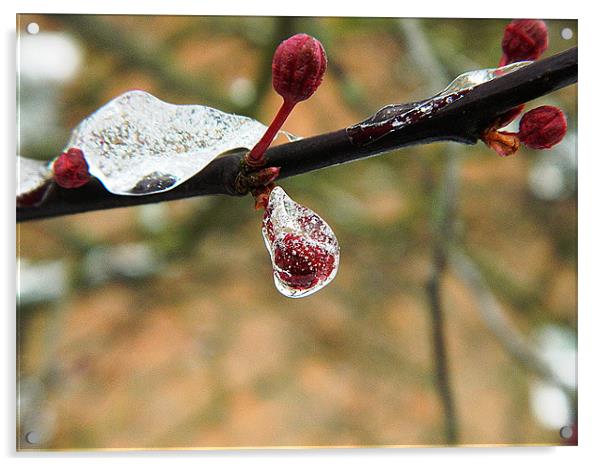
[
  {"x": 461, "y": 9},
  {"x": 590, "y": 232}
]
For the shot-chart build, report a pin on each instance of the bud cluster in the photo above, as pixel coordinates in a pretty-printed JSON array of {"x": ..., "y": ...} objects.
[{"x": 542, "y": 127}]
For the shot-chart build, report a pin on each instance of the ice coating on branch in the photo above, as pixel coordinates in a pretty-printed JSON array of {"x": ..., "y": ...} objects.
[
  {"x": 137, "y": 144},
  {"x": 472, "y": 79},
  {"x": 33, "y": 176},
  {"x": 394, "y": 117},
  {"x": 290, "y": 136},
  {"x": 303, "y": 248}
]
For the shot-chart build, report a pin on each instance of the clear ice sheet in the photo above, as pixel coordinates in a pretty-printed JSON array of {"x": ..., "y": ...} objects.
[
  {"x": 475, "y": 78},
  {"x": 137, "y": 144},
  {"x": 32, "y": 174},
  {"x": 285, "y": 218},
  {"x": 393, "y": 117}
]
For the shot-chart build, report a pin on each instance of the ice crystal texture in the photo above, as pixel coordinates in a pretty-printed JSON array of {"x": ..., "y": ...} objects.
[
  {"x": 33, "y": 174},
  {"x": 303, "y": 248},
  {"x": 137, "y": 144}
]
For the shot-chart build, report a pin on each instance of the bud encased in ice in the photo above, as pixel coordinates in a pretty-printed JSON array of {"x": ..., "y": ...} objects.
[{"x": 71, "y": 169}]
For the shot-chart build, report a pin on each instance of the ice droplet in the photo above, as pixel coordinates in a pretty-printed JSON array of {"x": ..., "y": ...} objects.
[
  {"x": 33, "y": 178},
  {"x": 303, "y": 248},
  {"x": 137, "y": 144}
]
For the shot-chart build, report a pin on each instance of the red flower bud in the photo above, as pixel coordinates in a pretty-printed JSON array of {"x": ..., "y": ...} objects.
[
  {"x": 524, "y": 39},
  {"x": 300, "y": 263},
  {"x": 542, "y": 127},
  {"x": 297, "y": 70},
  {"x": 71, "y": 169},
  {"x": 298, "y": 67}
]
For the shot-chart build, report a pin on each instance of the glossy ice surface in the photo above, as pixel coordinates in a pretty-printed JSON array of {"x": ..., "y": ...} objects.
[
  {"x": 303, "y": 248},
  {"x": 472, "y": 79},
  {"x": 32, "y": 175},
  {"x": 137, "y": 144}
]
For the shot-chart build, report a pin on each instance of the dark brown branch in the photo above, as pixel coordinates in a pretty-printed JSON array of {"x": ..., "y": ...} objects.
[{"x": 461, "y": 121}]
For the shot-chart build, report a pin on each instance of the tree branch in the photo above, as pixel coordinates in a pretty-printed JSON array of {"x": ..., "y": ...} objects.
[{"x": 461, "y": 121}]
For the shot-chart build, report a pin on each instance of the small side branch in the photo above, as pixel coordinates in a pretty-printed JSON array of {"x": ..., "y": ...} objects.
[
  {"x": 462, "y": 121},
  {"x": 440, "y": 355},
  {"x": 496, "y": 321}
]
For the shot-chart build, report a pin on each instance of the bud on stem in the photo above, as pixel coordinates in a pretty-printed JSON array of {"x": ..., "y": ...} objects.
[
  {"x": 542, "y": 127},
  {"x": 255, "y": 157},
  {"x": 524, "y": 39},
  {"x": 297, "y": 70}
]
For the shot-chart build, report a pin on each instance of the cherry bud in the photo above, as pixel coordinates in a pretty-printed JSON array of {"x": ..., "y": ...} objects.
[
  {"x": 524, "y": 39},
  {"x": 542, "y": 127},
  {"x": 297, "y": 70},
  {"x": 298, "y": 67},
  {"x": 71, "y": 169}
]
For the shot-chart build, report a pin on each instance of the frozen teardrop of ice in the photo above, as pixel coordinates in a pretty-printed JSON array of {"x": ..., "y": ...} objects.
[
  {"x": 33, "y": 177},
  {"x": 137, "y": 144},
  {"x": 472, "y": 79},
  {"x": 302, "y": 246}
]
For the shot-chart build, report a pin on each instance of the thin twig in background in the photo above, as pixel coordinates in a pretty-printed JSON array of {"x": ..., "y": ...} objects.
[
  {"x": 496, "y": 321},
  {"x": 445, "y": 212},
  {"x": 443, "y": 220}
]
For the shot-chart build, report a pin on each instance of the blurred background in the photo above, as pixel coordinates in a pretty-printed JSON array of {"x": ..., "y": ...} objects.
[{"x": 160, "y": 326}]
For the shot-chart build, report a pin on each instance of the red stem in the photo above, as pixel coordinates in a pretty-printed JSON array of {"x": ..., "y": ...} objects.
[{"x": 256, "y": 156}]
